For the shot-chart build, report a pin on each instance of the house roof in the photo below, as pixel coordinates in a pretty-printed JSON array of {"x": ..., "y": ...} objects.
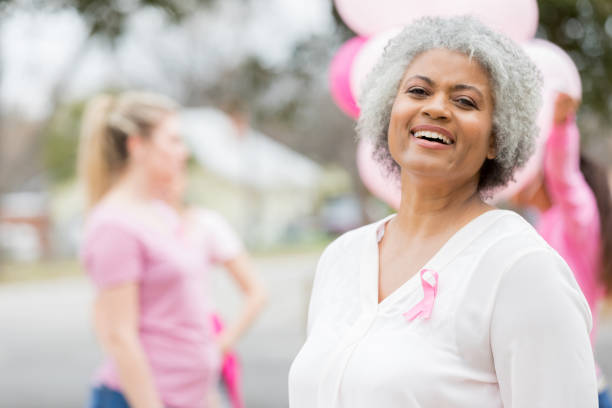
[{"x": 251, "y": 158}]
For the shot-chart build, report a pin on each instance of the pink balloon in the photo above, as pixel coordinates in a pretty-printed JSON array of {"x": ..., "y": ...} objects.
[
  {"x": 518, "y": 19},
  {"x": 559, "y": 71},
  {"x": 374, "y": 176},
  {"x": 368, "y": 18},
  {"x": 339, "y": 76},
  {"x": 367, "y": 57}
]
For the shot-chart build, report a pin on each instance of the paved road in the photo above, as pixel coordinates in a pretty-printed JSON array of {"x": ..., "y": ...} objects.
[{"x": 48, "y": 352}]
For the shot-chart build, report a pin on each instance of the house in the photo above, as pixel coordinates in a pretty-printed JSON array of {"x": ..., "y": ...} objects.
[{"x": 262, "y": 187}]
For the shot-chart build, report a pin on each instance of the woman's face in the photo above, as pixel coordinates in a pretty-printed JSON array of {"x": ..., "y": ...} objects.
[
  {"x": 163, "y": 155},
  {"x": 441, "y": 120}
]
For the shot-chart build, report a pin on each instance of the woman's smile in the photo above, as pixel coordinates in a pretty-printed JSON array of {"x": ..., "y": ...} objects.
[{"x": 432, "y": 137}]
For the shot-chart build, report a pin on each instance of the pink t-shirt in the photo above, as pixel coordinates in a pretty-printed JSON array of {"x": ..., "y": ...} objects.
[
  {"x": 571, "y": 226},
  {"x": 171, "y": 263}
]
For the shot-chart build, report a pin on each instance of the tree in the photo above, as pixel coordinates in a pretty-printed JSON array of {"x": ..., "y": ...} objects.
[
  {"x": 583, "y": 28},
  {"x": 61, "y": 140},
  {"x": 104, "y": 20}
]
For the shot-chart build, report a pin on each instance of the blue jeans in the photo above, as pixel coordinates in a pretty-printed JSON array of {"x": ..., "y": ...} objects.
[
  {"x": 605, "y": 401},
  {"x": 104, "y": 397}
]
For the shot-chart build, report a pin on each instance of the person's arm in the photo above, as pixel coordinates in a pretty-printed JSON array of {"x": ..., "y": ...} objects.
[
  {"x": 564, "y": 181},
  {"x": 113, "y": 258},
  {"x": 539, "y": 336},
  {"x": 116, "y": 324},
  {"x": 241, "y": 269}
]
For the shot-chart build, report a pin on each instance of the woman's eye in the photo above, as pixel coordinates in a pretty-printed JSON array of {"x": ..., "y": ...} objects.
[
  {"x": 466, "y": 102},
  {"x": 417, "y": 91}
]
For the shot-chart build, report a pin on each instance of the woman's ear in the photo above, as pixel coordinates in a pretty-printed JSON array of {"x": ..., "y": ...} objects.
[
  {"x": 492, "y": 151},
  {"x": 134, "y": 146}
]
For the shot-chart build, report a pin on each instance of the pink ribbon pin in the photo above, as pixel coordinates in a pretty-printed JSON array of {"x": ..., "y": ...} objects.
[{"x": 429, "y": 280}]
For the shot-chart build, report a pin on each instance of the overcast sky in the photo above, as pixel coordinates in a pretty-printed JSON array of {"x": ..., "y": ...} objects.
[{"x": 36, "y": 47}]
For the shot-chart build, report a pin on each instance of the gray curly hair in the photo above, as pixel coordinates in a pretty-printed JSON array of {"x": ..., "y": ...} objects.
[{"x": 515, "y": 80}]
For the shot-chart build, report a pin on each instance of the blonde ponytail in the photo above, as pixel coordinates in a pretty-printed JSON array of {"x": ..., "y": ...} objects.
[
  {"x": 107, "y": 123},
  {"x": 94, "y": 167}
]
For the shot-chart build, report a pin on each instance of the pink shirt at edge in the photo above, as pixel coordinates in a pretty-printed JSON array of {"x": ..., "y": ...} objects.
[
  {"x": 171, "y": 267},
  {"x": 571, "y": 226}
]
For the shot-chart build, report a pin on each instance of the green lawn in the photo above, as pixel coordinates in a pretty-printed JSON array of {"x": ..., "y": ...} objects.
[
  {"x": 49, "y": 269},
  {"x": 13, "y": 271}
]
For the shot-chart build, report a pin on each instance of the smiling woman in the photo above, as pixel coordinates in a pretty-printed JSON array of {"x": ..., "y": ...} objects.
[{"x": 450, "y": 302}]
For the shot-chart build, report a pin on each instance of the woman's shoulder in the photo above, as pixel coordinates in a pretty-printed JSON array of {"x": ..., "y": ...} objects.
[
  {"x": 510, "y": 231},
  {"x": 205, "y": 216},
  {"x": 515, "y": 269},
  {"x": 216, "y": 231},
  {"x": 512, "y": 243},
  {"x": 111, "y": 217},
  {"x": 210, "y": 223},
  {"x": 348, "y": 247},
  {"x": 508, "y": 247},
  {"x": 513, "y": 250},
  {"x": 104, "y": 214},
  {"x": 354, "y": 239}
]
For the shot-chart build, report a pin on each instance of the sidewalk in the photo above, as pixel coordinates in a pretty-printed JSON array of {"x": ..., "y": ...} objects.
[{"x": 48, "y": 351}]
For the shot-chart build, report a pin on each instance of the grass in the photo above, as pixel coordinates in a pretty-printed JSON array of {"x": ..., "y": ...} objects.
[
  {"x": 39, "y": 270},
  {"x": 317, "y": 245},
  {"x": 14, "y": 271}
]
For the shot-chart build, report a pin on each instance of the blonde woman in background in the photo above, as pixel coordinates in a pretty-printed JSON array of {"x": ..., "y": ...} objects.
[{"x": 152, "y": 307}]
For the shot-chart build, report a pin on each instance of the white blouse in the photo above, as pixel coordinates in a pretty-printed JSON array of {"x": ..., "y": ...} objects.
[{"x": 509, "y": 327}]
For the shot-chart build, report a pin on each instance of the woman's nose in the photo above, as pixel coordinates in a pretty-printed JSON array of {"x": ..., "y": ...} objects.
[{"x": 436, "y": 108}]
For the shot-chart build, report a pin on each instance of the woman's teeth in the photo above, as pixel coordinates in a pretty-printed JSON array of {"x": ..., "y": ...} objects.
[{"x": 433, "y": 137}]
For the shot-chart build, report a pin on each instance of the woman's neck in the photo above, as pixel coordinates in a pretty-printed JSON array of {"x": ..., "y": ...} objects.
[
  {"x": 135, "y": 187},
  {"x": 428, "y": 210}
]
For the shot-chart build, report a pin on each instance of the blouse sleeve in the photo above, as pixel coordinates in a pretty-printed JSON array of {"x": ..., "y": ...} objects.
[
  {"x": 313, "y": 303},
  {"x": 223, "y": 243},
  {"x": 112, "y": 256},
  {"x": 540, "y": 336},
  {"x": 566, "y": 184},
  {"x": 319, "y": 283}
]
